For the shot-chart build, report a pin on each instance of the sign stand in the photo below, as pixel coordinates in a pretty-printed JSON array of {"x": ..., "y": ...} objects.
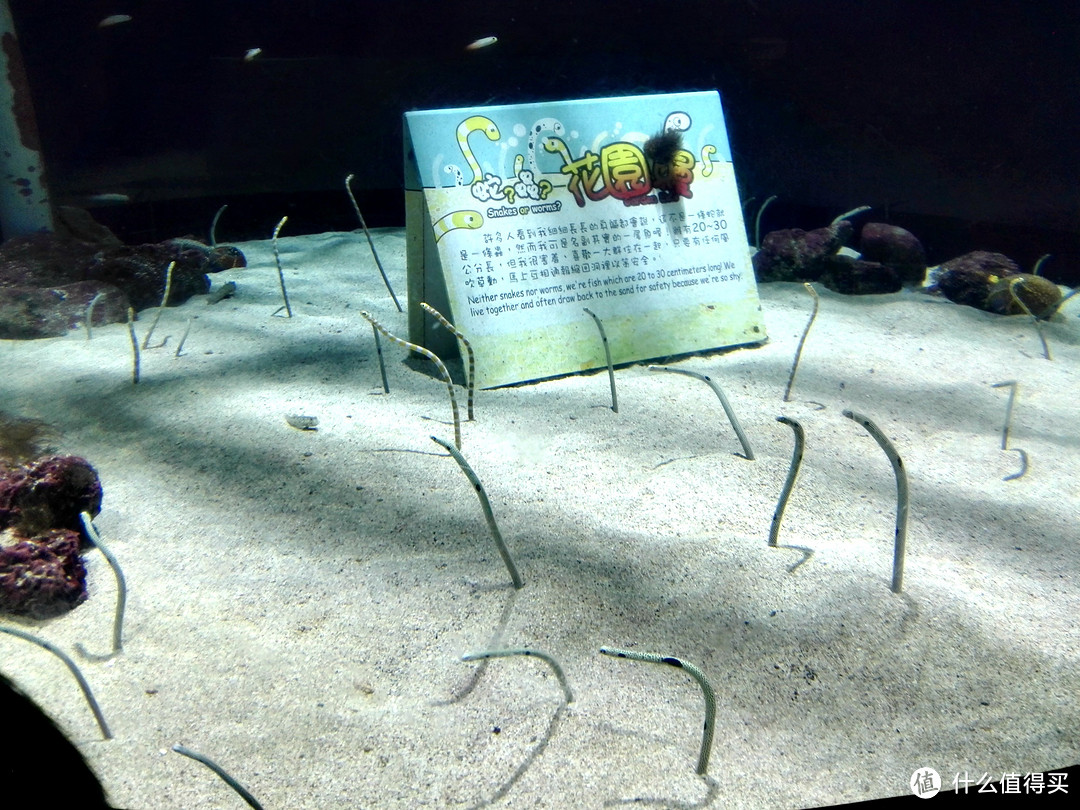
[{"x": 519, "y": 217}]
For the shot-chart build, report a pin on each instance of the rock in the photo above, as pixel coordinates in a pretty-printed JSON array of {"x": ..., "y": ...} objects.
[
  {"x": 49, "y": 493},
  {"x": 894, "y": 247},
  {"x": 1039, "y": 295},
  {"x": 27, "y": 313},
  {"x": 44, "y": 260},
  {"x": 969, "y": 279},
  {"x": 39, "y": 274},
  {"x": 77, "y": 223},
  {"x": 224, "y": 257},
  {"x": 798, "y": 255},
  {"x": 139, "y": 270},
  {"x": 851, "y": 276},
  {"x": 42, "y": 576}
]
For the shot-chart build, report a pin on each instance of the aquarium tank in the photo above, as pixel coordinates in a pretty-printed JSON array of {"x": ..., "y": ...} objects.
[{"x": 536, "y": 404}]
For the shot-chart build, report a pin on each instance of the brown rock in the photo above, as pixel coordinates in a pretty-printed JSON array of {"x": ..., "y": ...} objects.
[{"x": 894, "y": 247}]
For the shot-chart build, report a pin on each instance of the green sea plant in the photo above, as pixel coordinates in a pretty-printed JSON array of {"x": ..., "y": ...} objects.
[
  {"x": 902, "y": 498},
  {"x": 209, "y": 763},
  {"x": 121, "y": 588},
  {"x": 543, "y": 656},
  {"x": 802, "y": 339},
  {"x": 371, "y": 243},
  {"x": 280, "y": 272},
  {"x": 485, "y": 504},
  {"x": 607, "y": 354},
  {"x": 748, "y": 452},
  {"x": 706, "y": 690},
  {"x": 83, "y": 685},
  {"x": 793, "y": 472},
  {"x": 468, "y": 351},
  {"x": 444, "y": 375}
]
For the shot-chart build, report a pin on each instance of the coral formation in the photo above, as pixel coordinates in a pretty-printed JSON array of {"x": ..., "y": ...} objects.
[
  {"x": 895, "y": 248},
  {"x": 798, "y": 255},
  {"x": 47, "y": 280},
  {"x": 41, "y": 499},
  {"x": 43, "y": 576},
  {"x": 993, "y": 282}
]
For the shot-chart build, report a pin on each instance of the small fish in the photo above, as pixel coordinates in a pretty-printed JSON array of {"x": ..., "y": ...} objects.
[
  {"x": 114, "y": 19},
  {"x": 109, "y": 198},
  {"x": 483, "y": 42},
  {"x": 222, "y": 292},
  {"x": 251, "y": 54}
]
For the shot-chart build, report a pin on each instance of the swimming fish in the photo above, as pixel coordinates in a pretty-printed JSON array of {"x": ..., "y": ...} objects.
[
  {"x": 251, "y": 53},
  {"x": 114, "y": 19},
  {"x": 483, "y": 42}
]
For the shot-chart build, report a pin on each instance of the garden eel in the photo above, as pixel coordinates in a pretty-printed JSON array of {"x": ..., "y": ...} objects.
[
  {"x": 607, "y": 354},
  {"x": 748, "y": 453},
  {"x": 209, "y": 763},
  {"x": 485, "y": 504},
  {"x": 706, "y": 690},
  {"x": 798, "y": 350},
  {"x": 121, "y": 583},
  {"x": 900, "y": 545},
  {"x": 277, "y": 260},
  {"x": 793, "y": 472},
  {"x": 543, "y": 656},
  {"x": 371, "y": 242},
  {"x": 468, "y": 350},
  {"x": 445, "y": 375},
  {"x": 83, "y": 685}
]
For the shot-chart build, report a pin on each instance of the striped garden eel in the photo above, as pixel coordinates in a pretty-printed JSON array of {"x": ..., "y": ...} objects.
[
  {"x": 900, "y": 545},
  {"x": 444, "y": 374},
  {"x": 748, "y": 452},
  {"x": 607, "y": 355},
  {"x": 280, "y": 272},
  {"x": 543, "y": 656},
  {"x": 793, "y": 472},
  {"x": 485, "y": 504},
  {"x": 83, "y": 685},
  {"x": 706, "y": 690},
  {"x": 802, "y": 340},
  {"x": 468, "y": 350}
]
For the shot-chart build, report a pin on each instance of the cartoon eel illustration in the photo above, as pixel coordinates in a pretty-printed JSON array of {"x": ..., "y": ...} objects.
[
  {"x": 476, "y": 123},
  {"x": 457, "y": 219}
]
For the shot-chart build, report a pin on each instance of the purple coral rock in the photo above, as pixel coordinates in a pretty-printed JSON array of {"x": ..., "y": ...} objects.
[
  {"x": 48, "y": 493},
  {"x": 968, "y": 279},
  {"x": 894, "y": 247},
  {"x": 42, "y": 576},
  {"x": 140, "y": 271},
  {"x": 798, "y": 255},
  {"x": 857, "y": 277}
]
